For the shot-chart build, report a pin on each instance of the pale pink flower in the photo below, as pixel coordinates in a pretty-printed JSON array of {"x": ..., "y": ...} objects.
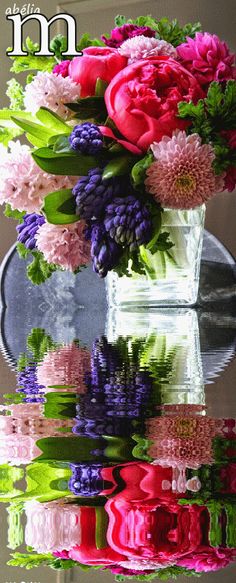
[
  {"x": 141, "y": 47},
  {"x": 207, "y": 58},
  {"x": 22, "y": 183},
  {"x": 182, "y": 175},
  {"x": 52, "y": 526},
  {"x": 64, "y": 245},
  {"x": 52, "y": 91},
  {"x": 64, "y": 368}
]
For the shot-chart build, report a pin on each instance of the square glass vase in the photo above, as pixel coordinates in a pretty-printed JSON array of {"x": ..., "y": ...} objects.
[{"x": 171, "y": 277}]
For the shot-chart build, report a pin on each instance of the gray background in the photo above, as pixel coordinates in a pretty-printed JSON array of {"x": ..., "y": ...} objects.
[{"x": 96, "y": 16}]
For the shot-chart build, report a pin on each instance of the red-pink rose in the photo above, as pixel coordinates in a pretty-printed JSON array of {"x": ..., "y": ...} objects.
[
  {"x": 97, "y": 62},
  {"x": 142, "y": 100},
  {"x": 208, "y": 559}
]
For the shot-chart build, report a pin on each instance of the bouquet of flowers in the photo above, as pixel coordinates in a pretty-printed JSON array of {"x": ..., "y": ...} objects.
[{"x": 143, "y": 121}]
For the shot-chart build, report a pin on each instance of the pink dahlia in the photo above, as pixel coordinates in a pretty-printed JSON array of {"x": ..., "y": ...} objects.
[
  {"x": 207, "y": 58},
  {"x": 182, "y": 176},
  {"x": 122, "y": 33},
  {"x": 52, "y": 91},
  {"x": 65, "y": 367},
  {"x": 65, "y": 246},
  {"x": 22, "y": 183},
  {"x": 62, "y": 69},
  {"x": 141, "y": 47}
]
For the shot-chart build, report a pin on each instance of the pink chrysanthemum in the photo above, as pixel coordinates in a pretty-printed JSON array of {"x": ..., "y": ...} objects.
[
  {"x": 22, "y": 183},
  {"x": 52, "y": 91},
  {"x": 182, "y": 176},
  {"x": 141, "y": 47},
  {"x": 65, "y": 367},
  {"x": 65, "y": 246},
  {"x": 207, "y": 58}
]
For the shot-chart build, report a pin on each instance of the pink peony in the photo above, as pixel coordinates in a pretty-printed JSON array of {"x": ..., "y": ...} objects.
[
  {"x": 97, "y": 62},
  {"x": 208, "y": 559},
  {"x": 230, "y": 179},
  {"x": 142, "y": 100},
  {"x": 182, "y": 176},
  {"x": 207, "y": 58},
  {"x": 62, "y": 69},
  {"x": 122, "y": 33},
  {"x": 64, "y": 245},
  {"x": 65, "y": 367},
  {"x": 52, "y": 91},
  {"x": 141, "y": 47},
  {"x": 22, "y": 183}
]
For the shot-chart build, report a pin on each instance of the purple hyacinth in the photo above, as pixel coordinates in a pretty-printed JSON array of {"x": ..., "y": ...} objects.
[
  {"x": 86, "y": 479},
  {"x": 86, "y": 138},
  {"x": 27, "y": 383},
  {"x": 128, "y": 222},
  {"x": 105, "y": 252},
  {"x": 28, "y": 229},
  {"x": 93, "y": 193}
]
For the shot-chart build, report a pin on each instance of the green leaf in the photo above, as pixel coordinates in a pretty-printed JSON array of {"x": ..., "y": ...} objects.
[
  {"x": 39, "y": 270},
  {"x": 71, "y": 164},
  {"x": 22, "y": 251},
  {"x": 8, "y": 134},
  {"x": 89, "y": 108},
  {"x": 60, "y": 143},
  {"x": 15, "y": 92},
  {"x": 139, "y": 169},
  {"x": 120, "y": 20},
  {"x": 13, "y": 214},
  {"x": 118, "y": 167},
  {"x": 100, "y": 87},
  {"x": 51, "y": 120},
  {"x": 38, "y": 131},
  {"x": 29, "y": 561},
  {"x": 58, "y": 45},
  {"x": 60, "y": 207},
  {"x": 39, "y": 343},
  {"x": 172, "y": 32},
  {"x": 87, "y": 41}
]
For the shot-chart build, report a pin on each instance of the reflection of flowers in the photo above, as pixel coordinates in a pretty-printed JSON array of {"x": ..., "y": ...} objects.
[
  {"x": 64, "y": 368},
  {"x": 208, "y": 559},
  {"x": 86, "y": 479},
  {"x": 52, "y": 526},
  {"x": 28, "y": 385}
]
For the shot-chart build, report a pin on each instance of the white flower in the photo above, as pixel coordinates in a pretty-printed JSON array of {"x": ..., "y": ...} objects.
[
  {"x": 141, "y": 47},
  {"x": 52, "y": 91}
]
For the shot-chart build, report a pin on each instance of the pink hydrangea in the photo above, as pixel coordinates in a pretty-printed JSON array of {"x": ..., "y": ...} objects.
[
  {"x": 122, "y": 33},
  {"x": 52, "y": 91},
  {"x": 65, "y": 367},
  {"x": 141, "y": 47},
  {"x": 208, "y": 559},
  {"x": 207, "y": 58},
  {"x": 22, "y": 183},
  {"x": 64, "y": 245},
  {"x": 62, "y": 69},
  {"x": 182, "y": 176}
]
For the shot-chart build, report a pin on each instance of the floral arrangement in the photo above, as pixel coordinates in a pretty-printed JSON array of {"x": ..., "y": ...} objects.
[{"x": 144, "y": 120}]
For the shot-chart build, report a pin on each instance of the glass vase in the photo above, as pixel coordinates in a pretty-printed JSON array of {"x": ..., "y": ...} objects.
[{"x": 171, "y": 277}]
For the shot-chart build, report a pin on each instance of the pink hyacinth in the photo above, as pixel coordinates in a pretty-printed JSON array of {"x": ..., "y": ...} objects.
[
  {"x": 141, "y": 47},
  {"x": 182, "y": 175},
  {"x": 207, "y": 58},
  {"x": 22, "y": 183},
  {"x": 52, "y": 526},
  {"x": 64, "y": 245},
  {"x": 62, "y": 69},
  {"x": 52, "y": 91},
  {"x": 65, "y": 367}
]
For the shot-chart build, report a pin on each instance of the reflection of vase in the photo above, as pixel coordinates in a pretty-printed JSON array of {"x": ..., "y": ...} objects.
[
  {"x": 171, "y": 277},
  {"x": 169, "y": 350}
]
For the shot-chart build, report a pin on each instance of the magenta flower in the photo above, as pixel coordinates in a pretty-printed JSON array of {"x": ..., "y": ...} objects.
[
  {"x": 122, "y": 33},
  {"x": 207, "y": 58},
  {"x": 230, "y": 179},
  {"x": 208, "y": 559},
  {"x": 65, "y": 245},
  {"x": 182, "y": 176},
  {"x": 62, "y": 69}
]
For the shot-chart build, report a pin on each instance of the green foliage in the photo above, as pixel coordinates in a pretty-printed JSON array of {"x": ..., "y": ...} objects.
[
  {"x": 52, "y": 121},
  {"x": 119, "y": 166},
  {"x": 58, "y": 45},
  {"x": 31, "y": 62},
  {"x": 161, "y": 243},
  {"x": 39, "y": 343},
  {"x": 87, "y": 41},
  {"x": 60, "y": 207},
  {"x": 163, "y": 574},
  {"x": 72, "y": 164},
  {"x": 15, "y": 92},
  {"x": 211, "y": 116},
  {"x": 168, "y": 30},
  {"x": 22, "y": 251},
  {"x": 138, "y": 173},
  {"x": 29, "y": 561},
  {"x": 8, "y": 134},
  {"x": 40, "y": 270},
  {"x": 89, "y": 108},
  {"x": 13, "y": 214}
]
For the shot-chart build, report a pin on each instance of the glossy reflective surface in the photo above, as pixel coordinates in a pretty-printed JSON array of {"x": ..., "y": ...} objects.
[{"x": 119, "y": 455}]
